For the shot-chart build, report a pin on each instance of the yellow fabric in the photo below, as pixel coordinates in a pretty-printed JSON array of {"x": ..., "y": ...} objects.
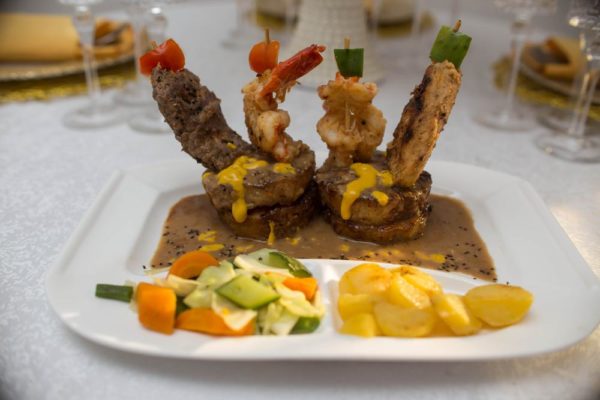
[{"x": 37, "y": 37}]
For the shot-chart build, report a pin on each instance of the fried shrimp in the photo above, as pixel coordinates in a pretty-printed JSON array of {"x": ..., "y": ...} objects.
[
  {"x": 266, "y": 123},
  {"x": 352, "y": 127}
]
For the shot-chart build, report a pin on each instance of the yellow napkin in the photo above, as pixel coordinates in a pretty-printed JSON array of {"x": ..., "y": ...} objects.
[
  {"x": 38, "y": 37},
  {"x": 556, "y": 58}
]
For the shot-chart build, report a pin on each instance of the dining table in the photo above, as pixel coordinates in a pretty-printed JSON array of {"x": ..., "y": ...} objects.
[{"x": 51, "y": 175}]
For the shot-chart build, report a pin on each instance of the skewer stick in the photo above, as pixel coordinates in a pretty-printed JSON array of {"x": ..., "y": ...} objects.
[
  {"x": 267, "y": 36},
  {"x": 456, "y": 25},
  {"x": 346, "y": 108}
]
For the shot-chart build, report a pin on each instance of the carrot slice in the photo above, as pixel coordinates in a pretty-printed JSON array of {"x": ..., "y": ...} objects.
[
  {"x": 156, "y": 307},
  {"x": 308, "y": 286},
  {"x": 205, "y": 320},
  {"x": 192, "y": 263}
]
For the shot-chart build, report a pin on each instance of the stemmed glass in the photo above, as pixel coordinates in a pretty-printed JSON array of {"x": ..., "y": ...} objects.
[
  {"x": 573, "y": 145},
  {"x": 244, "y": 33},
  {"x": 96, "y": 113},
  {"x": 138, "y": 92},
  {"x": 505, "y": 116},
  {"x": 150, "y": 120}
]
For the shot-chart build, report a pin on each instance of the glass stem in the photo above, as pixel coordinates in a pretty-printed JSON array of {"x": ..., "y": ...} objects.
[
  {"x": 582, "y": 107},
  {"x": 519, "y": 34},
  {"x": 136, "y": 17},
  {"x": 157, "y": 25},
  {"x": 83, "y": 20},
  {"x": 290, "y": 14}
]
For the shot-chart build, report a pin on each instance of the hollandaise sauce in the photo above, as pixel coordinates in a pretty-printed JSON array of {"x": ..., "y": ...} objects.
[
  {"x": 368, "y": 178},
  {"x": 234, "y": 176}
]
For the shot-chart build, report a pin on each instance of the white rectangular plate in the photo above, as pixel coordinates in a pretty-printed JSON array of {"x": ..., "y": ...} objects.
[{"x": 120, "y": 232}]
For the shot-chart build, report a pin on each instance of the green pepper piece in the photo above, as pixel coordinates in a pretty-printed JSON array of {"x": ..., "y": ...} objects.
[
  {"x": 280, "y": 260},
  {"x": 450, "y": 45},
  {"x": 306, "y": 325},
  {"x": 180, "y": 306},
  {"x": 114, "y": 292},
  {"x": 349, "y": 61}
]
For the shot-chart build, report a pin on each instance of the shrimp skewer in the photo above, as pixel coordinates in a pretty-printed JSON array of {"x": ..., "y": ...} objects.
[
  {"x": 352, "y": 127},
  {"x": 265, "y": 121}
]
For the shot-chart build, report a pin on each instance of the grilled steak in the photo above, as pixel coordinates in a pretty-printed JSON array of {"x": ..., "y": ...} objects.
[
  {"x": 401, "y": 230},
  {"x": 263, "y": 186},
  {"x": 403, "y": 203},
  {"x": 194, "y": 113},
  {"x": 287, "y": 220}
]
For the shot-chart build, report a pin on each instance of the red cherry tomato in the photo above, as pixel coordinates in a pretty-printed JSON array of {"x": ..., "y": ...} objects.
[
  {"x": 263, "y": 56},
  {"x": 169, "y": 55}
]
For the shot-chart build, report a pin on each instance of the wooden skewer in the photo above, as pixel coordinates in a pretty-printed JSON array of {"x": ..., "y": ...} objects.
[
  {"x": 267, "y": 36},
  {"x": 456, "y": 26},
  {"x": 346, "y": 108}
]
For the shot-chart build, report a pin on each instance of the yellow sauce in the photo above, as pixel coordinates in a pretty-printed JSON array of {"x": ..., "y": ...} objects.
[
  {"x": 208, "y": 236},
  {"x": 212, "y": 247},
  {"x": 271, "y": 238},
  {"x": 435, "y": 257},
  {"x": 284, "y": 168},
  {"x": 244, "y": 249},
  {"x": 293, "y": 241},
  {"x": 234, "y": 177},
  {"x": 231, "y": 146},
  {"x": 381, "y": 197},
  {"x": 367, "y": 178}
]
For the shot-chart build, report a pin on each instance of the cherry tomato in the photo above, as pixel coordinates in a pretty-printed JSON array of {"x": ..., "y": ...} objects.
[
  {"x": 263, "y": 56},
  {"x": 169, "y": 55}
]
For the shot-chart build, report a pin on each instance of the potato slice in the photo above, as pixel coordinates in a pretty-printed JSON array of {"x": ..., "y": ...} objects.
[
  {"x": 404, "y": 294},
  {"x": 440, "y": 329},
  {"x": 367, "y": 279},
  {"x": 419, "y": 279},
  {"x": 453, "y": 311},
  {"x": 398, "y": 321},
  {"x": 363, "y": 324},
  {"x": 499, "y": 305},
  {"x": 352, "y": 304}
]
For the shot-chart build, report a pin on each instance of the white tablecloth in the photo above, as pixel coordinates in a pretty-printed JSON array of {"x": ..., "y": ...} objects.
[{"x": 50, "y": 175}]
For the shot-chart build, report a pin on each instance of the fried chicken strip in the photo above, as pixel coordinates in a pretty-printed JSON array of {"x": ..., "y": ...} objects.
[{"x": 422, "y": 121}]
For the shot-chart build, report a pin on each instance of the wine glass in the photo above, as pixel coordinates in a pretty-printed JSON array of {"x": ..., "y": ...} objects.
[
  {"x": 244, "y": 34},
  {"x": 506, "y": 116},
  {"x": 150, "y": 120},
  {"x": 573, "y": 145},
  {"x": 97, "y": 112},
  {"x": 137, "y": 93}
]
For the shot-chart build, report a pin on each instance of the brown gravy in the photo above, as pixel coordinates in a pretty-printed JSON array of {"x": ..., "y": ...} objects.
[{"x": 450, "y": 241}]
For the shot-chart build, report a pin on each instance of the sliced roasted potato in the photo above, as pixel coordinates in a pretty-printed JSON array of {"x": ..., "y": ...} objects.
[
  {"x": 403, "y": 294},
  {"x": 361, "y": 325},
  {"x": 499, "y": 305},
  {"x": 419, "y": 279},
  {"x": 398, "y": 321},
  {"x": 352, "y": 304},
  {"x": 453, "y": 311},
  {"x": 365, "y": 279}
]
